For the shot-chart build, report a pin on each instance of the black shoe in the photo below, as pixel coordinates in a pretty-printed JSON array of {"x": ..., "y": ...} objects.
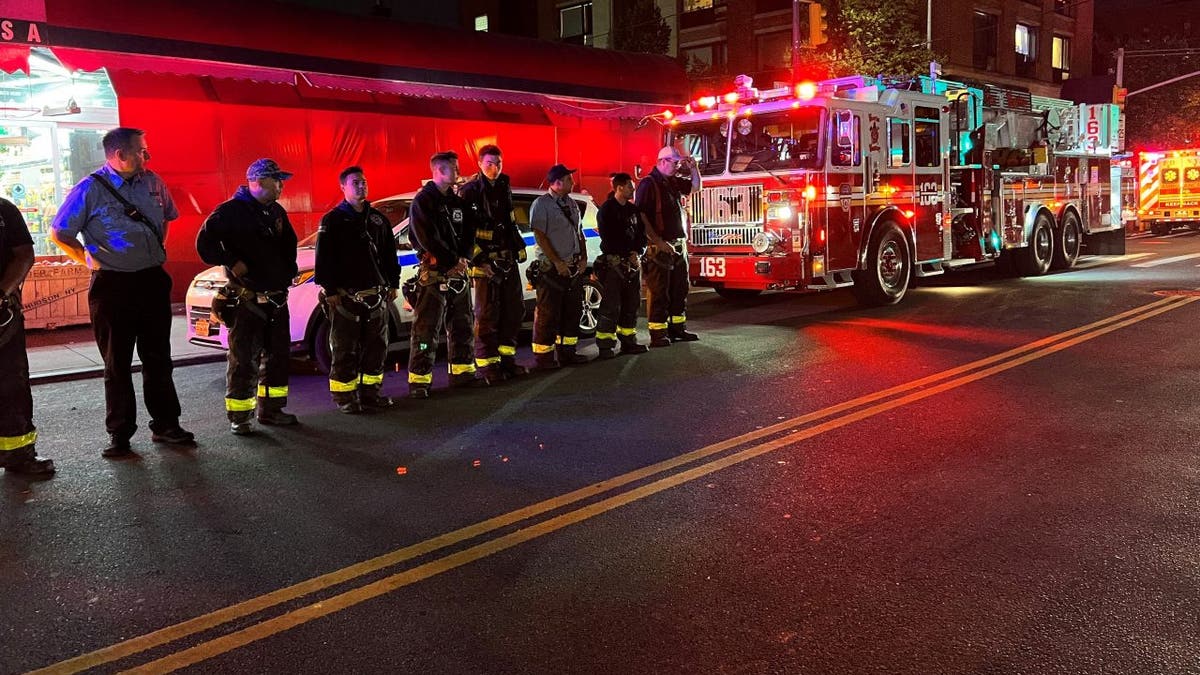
[
  {"x": 548, "y": 364},
  {"x": 468, "y": 382},
  {"x": 663, "y": 341},
  {"x": 511, "y": 370},
  {"x": 277, "y": 418},
  {"x": 241, "y": 428},
  {"x": 350, "y": 407},
  {"x": 634, "y": 348},
  {"x": 376, "y": 403},
  {"x": 607, "y": 353},
  {"x": 418, "y": 392},
  {"x": 174, "y": 435},
  {"x": 117, "y": 447},
  {"x": 26, "y": 462},
  {"x": 684, "y": 336}
]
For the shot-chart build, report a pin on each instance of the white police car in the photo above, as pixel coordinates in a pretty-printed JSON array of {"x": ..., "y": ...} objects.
[{"x": 310, "y": 330}]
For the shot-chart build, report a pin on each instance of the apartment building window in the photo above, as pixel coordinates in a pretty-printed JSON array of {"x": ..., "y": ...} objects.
[
  {"x": 697, "y": 13},
  {"x": 707, "y": 59},
  {"x": 697, "y": 5},
  {"x": 575, "y": 24},
  {"x": 985, "y": 32},
  {"x": 1026, "y": 46},
  {"x": 1060, "y": 58},
  {"x": 774, "y": 50},
  {"x": 764, "y": 6},
  {"x": 481, "y": 23},
  {"x": 1065, "y": 7}
]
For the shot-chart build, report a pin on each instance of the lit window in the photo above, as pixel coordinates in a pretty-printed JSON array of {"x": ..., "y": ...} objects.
[
  {"x": 575, "y": 24},
  {"x": 696, "y": 5},
  {"x": 481, "y": 23},
  {"x": 1060, "y": 58},
  {"x": 1026, "y": 48}
]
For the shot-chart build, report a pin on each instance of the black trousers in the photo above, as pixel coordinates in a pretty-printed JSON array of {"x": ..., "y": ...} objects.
[
  {"x": 441, "y": 308},
  {"x": 358, "y": 346},
  {"x": 499, "y": 311},
  {"x": 621, "y": 297},
  {"x": 16, "y": 400},
  {"x": 259, "y": 348},
  {"x": 133, "y": 309},
  {"x": 559, "y": 308},
  {"x": 666, "y": 294}
]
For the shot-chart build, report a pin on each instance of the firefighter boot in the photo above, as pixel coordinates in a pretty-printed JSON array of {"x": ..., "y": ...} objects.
[
  {"x": 546, "y": 361},
  {"x": 239, "y": 425},
  {"x": 468, "y": 381},
  {"x": 630, "y": 345},
  {"x": 679, "y": 333},
  {"x": 658, "y": 338},
  {"x": 375, "y": 402},
  {"x": 418, "y": 391},
  {"x": 25, "y": 461},
  {"x": 569, "y": 357},
  {"x": 271, "y": 413},
  {"x": 509, "y": 368}
]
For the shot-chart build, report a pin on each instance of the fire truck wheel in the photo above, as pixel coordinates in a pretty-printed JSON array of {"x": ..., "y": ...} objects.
[
  {"x": 737, "y": 293},
  {"x": 889, "y": 268},
  {"x": 1160, "y": 229},
  {"x": 1067, "y": 242},
  {"x": 1034, "y": 260},
  {"x": 320, "y": 347}
]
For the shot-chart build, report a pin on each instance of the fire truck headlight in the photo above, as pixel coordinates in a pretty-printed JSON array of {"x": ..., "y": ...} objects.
[
  {"x": 780, "y": 212},
  {"x": 765, "y": 242}
]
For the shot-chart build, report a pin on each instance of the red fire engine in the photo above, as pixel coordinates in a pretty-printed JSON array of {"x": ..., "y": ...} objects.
[
  {"x": 867, "y": 183},
  {"x": 1169, "y": 189}
]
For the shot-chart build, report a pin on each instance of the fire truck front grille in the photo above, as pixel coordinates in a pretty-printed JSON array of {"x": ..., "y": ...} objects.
[
  {"x": 727, "y": 205},
  {"x": 723, "y": 236}
]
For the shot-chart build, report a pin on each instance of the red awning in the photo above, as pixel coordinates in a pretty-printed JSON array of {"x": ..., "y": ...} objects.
[
  {"x": 91, "y": 60},
  {"x": 14, "y": 58}
]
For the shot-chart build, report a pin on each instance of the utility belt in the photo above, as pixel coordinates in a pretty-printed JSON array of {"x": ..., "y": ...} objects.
[
  {"x": 503, "y": 263},
  {"x": 624, "y": 266},
  {"x": 260, "y": 304},
  {"x": 429, "y": 276},
  {"x": 543, "y": 272},
  {"x": 374, "y": 300},
  {"x": 665, "y": 258}
]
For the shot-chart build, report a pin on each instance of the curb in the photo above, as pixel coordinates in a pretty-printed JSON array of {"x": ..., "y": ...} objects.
[{"x": 98, "y": 371}]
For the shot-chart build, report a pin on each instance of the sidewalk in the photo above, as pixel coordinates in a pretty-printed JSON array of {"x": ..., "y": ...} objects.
[{"x": 71, "y": 353}]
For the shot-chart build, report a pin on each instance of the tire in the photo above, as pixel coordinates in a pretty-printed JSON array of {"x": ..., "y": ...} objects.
[
  {"x": 592, "y": 294},
  {"x": 1160, "y": 229},
  {"x": 1068, "y": 241},
  {"x": 889, "y": 268},
  {"x": 320, "y": 348},
  {"x": 1034, "y": 259},
  {"x": 736, "y": 294}
]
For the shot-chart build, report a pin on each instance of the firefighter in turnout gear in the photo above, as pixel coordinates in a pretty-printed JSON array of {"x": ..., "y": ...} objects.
[
  {"x": 441, "y": 232},
  {"x": 17, "y": 433},
  {"x": 499, "y": 249},
  {"x": 251, "y": 236},
  {"x": 562, "y": 251},
  {"x": 659, "y": 196},
  {"x": 623, "y": 237},
  {"x": 358, "y": 272}
]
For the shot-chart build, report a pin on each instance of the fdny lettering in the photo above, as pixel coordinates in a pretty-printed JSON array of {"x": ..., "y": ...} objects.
[{"x": 26, "y": 32}]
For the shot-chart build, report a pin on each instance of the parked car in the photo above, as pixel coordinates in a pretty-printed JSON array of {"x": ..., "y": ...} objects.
[{"x": 310, "y": 330}]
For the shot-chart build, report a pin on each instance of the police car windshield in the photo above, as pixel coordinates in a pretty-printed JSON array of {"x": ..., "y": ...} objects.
[
  {"x": 705, "y": 142},
  {"x": 788, "y": 139},
  {"x": 396, "y": 210}
]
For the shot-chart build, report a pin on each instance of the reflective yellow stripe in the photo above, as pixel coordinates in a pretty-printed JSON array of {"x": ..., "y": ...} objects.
[
  {"x": 489, "y": 361},
  {"x": 568, "y": 341},
  {"x": 414, "y": 378},
  {"x": 542, "y": 349},
  {"x": 679, "y": 318},
  {"x": 341, "y": 387},
  {"x": 477, "y": 273},
  {"x": 505, "y": 350},
  {"x": 654, "y": 325},
  {"x": 605, "y": 336},
  {"x": 461, "y": 368},
  {"x": 239, "y": 404},
  {"x": 372, "y": 379},
  {"x": 626, "y": 331},
  {"x": 17, "y": 442},
  {"x": 272, "y": 392}
]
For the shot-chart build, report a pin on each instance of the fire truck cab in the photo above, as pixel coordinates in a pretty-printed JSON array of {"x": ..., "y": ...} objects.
[{"x": 869, "y": 183}]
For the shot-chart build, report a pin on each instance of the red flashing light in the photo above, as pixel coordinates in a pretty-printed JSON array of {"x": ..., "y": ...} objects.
[
  {"x": 688, "y": 108},
  {"x": 707, "y": 101},
  {"x": 909, "y": 213},
  {"x": 806, "y": 90},
  {"x": 821, "y": 235},
  {"x": 731, "y": 97},
  {"x": 667, "y": 114},
  {"x": 810, "y": 192}
]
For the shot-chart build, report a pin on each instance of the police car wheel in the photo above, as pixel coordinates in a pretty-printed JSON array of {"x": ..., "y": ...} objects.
[
  {"x": 591, "y": 308},
  {"x": 320, "y": 347}
]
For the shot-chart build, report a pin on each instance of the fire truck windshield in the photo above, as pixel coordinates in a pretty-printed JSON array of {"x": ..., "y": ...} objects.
[
  {"x": 788, "y": 139},
  {"x": 705, "y": 142}
]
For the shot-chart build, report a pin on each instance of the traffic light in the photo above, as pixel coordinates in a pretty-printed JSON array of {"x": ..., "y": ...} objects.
[
  {"x": 817, "y": 24},
  {"x": 1119, "y": 94}
]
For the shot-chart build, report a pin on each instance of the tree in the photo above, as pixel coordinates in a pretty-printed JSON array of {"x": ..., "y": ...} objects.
[
  {"x": 872, "y": 37},
  {"x": 641, "y": 29}
]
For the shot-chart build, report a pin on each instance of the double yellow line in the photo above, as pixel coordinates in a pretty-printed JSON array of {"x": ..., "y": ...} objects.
[{"x": 753, "y": 444}]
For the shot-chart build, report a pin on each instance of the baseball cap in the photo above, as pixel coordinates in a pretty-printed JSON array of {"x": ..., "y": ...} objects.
[
  {"x": 668, "y": 152},
  {"x": 266, "y": 168},
  {"x": 558, "y": 172}
]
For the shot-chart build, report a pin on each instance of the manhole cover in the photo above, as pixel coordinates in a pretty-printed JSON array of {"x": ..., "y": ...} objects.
[{"x": 1186, "y": 294}]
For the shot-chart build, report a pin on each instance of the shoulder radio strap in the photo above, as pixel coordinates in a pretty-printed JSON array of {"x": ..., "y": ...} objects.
[{"x": 131, "y": 210}]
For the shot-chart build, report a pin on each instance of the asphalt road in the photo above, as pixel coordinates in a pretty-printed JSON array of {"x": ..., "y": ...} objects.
[{"x": 996, "y": 476}]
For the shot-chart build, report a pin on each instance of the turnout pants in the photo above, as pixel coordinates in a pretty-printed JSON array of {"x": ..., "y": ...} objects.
[
  {"x": 133, "y": 309},
  {"x": 17, "y": 433},
  {"x": 441, "y": 307},
  {"x": 259, "y": 346},
  {"x": 556, "y": 317},
  {"x": 666, "y": 293},
  {"x": 499, "y": 310},
  {"x": 358, "y": 346},
  {"x": 621, "y": 296}
]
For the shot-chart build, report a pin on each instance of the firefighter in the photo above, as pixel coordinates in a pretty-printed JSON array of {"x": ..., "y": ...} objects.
[
  {"x": 358, "y": 272},
  {"x": 623, "y": 237},
  {"x": 499, "y": 249},
  {"x": 441, "y": 232},
  {"x": 251, "y": 236},
  {"x": 659, "y": 196},
  {"x": 17, "y": 433},
  {"x": 555, "y": 220}
]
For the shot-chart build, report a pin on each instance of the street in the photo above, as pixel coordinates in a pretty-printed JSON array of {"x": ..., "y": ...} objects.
[{"x": 998, "y": 475}]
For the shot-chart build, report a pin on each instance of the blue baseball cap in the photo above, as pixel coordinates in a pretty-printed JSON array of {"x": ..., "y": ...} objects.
[{"x": 266, "y": 168}]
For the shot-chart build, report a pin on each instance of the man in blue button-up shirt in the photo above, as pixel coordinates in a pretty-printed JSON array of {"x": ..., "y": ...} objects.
[{"x": 130, "y": 293}]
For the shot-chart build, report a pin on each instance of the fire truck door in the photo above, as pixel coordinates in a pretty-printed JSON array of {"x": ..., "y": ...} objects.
[
  {"x": 930, "y": 182},
  {"x": 845, "y": 208}
]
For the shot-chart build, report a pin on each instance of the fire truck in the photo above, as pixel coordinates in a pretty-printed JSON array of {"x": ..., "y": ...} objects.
[
  {"x": 1169, "y": 189},
  {"x": 869, "y": 183}
]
